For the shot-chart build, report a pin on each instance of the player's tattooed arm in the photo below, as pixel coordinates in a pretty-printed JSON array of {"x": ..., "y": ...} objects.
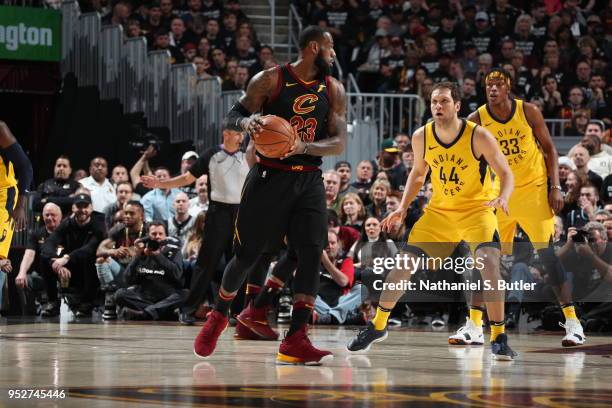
[
  {"x": 244, "y": 115},
  {"x": 486, "y": 146},
  {"x": 335, "y": 143},
  {"x": 540, "y": 131},
  {"x": 416, "y": 179}
]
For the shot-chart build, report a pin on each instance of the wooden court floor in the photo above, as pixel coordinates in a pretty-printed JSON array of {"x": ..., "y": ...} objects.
[{"x": 138, "y": 365}]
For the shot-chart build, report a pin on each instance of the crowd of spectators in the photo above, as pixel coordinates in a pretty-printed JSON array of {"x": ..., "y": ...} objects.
[{"x": 556, "y": 51}]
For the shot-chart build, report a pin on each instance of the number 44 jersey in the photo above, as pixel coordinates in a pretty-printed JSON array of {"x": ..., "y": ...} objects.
[
  {"x": 517, "y": 142},
  {"x": 461, "y": 182}
]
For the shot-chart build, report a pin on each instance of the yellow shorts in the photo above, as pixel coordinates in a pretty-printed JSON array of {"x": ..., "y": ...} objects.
[
  {"x": 437, "y": 233},
  {"x": 530, "y": 209},
  {"x": 8, "y": 200}
]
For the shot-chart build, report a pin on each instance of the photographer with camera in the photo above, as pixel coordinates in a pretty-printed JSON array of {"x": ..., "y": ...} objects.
[
  {"x": 587, "y": 250},
  {"x": 155, "y": 276}
]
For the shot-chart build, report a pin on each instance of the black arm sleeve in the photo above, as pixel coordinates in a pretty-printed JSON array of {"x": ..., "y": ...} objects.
[
  {"x": 234, "y": 116},
  {"x": 23, "y": 168}
]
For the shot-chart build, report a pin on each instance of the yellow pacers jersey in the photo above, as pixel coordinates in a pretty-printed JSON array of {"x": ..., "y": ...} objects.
[
  {"x": 460, "y": 181},
  {"x": 7, "y": 173},
  {"x": 517, "y": 143}
]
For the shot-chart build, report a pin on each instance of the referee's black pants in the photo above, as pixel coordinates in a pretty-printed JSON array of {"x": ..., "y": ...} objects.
[{"x": 218, "y": 238}]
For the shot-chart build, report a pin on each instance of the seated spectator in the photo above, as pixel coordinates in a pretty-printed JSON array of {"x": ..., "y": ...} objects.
[
  {"x": 565, "y": 166},
  {"x": 71, "y": 252},
  {"x": 192, "y": 244},
  {"x": 343, "y": 168},
  {"x": 238, "y": 81},
  {"x": 59, "y": 189},
  {"x": 153, "y": 22},
  {"x": 580, "y": 120},
  {"x": 587, "y": 203},
  {"x": 352, "y": 211},
  {"x": 338, "y": 299},
  {"x": 392, "y": 203},
  {"x": 213, "y": 35},
  {"x": 469, "y": 101},
  {"x": 180, "y": 224},
  {"x": 199, "y": 203},
  {"x": 80, "y": 174},
  {"x": 575, "y": 101},
  {"x": 119, "y": 174},
  {"x": 158, "y": 203},
  {"x": 124, "y": 193},
  {"x": 346, "y": 235},
  {"x": 331, "y": 180},
  {"x": 600, "y": 161},
  {"x": 552, "y": 97},
  {"x": 162, "y": 43},
  {"x": 155, "y": 279},
  {"x": 573, "y": 183},
  {"x": 265, "y": 56},
  {"x": 378, "y": 198},
  {"x": 372, "y": 244},
  {"x": 52, "y": 216},
  {"x": 580, "y": 156},
  {"x": 167, "y": 13},
  {"x": 365, "y": 173},
  {"x": 117, "y": 251},
  {"x": 230, "y": 26},
  {"x": 601, "y": 216},
  {"x": 102, "y": 190},
  {"x": 244, "y": 52},
  {"x": 596, "y": 128}
]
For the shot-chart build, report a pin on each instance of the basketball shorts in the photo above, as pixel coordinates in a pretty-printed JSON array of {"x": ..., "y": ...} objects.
[
  {"x": 437, "y": 233},
  {"x": 529, "y": 208},
  {"x": 277, "y": 203},
  {"x": 8, "y": 200}
]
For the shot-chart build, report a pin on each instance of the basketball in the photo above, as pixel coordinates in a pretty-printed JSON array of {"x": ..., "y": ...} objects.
[{"x": 276, "y": 137}]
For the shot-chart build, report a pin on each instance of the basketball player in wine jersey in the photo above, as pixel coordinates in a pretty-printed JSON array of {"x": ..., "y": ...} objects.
[{"x": 285, "y": 196}]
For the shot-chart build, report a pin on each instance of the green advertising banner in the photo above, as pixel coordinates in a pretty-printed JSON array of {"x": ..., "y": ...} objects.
[{"x": 30, "y": 34}]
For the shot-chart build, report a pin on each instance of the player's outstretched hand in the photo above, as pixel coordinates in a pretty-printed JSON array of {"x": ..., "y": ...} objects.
[
  {"x": 297, "y": 148},
  {"x": 393, "y": 221},
  {"x": 555, "y": 199},
  {"x": 253, "y": 124},
  {"x": 499, "y": 202},
  {"x": 149, "y": 181}
]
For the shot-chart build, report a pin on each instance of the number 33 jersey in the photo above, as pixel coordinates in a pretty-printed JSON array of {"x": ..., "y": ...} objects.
[
  {"x": 517, "y": 142},
  {"x": 461, "y": 182}
]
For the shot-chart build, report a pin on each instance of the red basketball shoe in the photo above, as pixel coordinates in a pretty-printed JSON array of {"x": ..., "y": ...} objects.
[
  {"x": 256, "y": 320},
  {"x": 297, "y": 350},
  {"x": 206, "y": 340}
]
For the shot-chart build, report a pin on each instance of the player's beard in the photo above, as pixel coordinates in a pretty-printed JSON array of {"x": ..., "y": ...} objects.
[{"x": 322, "y": 66}]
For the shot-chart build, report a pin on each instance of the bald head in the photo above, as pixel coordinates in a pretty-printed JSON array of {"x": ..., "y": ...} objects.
[
  {"x": 181, "y": 204},
  {"x": 52, "y": 216}
]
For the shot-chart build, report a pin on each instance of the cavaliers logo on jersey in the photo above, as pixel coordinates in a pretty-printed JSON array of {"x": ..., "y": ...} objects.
[{"x": 304, "y": 104}]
